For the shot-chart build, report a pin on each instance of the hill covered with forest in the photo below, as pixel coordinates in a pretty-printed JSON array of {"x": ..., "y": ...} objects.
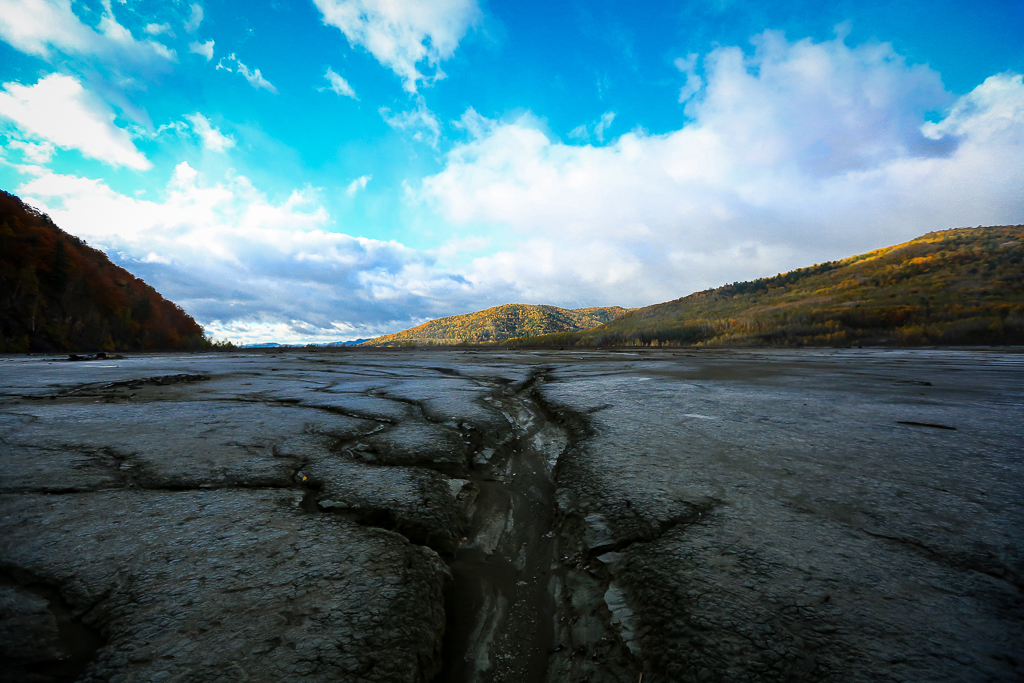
[
  {"x": 59, "y": 294},
  {"x": 500, "y": 323},
  {"x": 963, "y": 286}
]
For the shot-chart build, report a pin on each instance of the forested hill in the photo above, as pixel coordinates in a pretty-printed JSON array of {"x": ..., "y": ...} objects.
[
  {"x": 59, "y": 294},
  {"x": 962, "y": 286},
  {"x": 499, "y": 323}
]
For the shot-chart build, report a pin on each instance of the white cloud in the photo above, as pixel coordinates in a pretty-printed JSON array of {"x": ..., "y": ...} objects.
[
  {"x": 993, "y": 109},
  {"x": 601, "y": 126},
  {"x": 358, "y": 184},
  {"x": 423, "y": 123},
  {"x": 36, "y": 153},
  {"x": 401, "y": 35},
  {"x": 693, "y": 82},
  {"x": 254, "y": 77},
  {"x": 42, "y": 27},
  {"x": 248, "y": 267},
  {"x": 204, "y": 49},
  {"x": 158, "y": 29},
  {"x": 339, "y": 84},
  {"x": 153, "y": 257},
  {"x": 58, "y": 109},
  {"x": 798, "y": 153},
  {"x": 212, "y": 138},
  {"x": 164, "y": 51},
  {"x": 583, "y": 131},
  {"x": 194, "y": 19}
]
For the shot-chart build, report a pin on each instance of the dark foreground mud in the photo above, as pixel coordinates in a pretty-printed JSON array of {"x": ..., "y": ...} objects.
[{"x": 466, "y": 516}]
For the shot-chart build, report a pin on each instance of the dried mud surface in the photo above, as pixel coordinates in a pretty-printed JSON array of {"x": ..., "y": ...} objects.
[{"x": 600, "y": 516}]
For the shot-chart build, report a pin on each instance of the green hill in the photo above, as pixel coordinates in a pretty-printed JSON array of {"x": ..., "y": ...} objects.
[
  {"x": 962, "y": 286},
  {"x": 500, "y": 323},
  {"x": 59, "y": 294}
]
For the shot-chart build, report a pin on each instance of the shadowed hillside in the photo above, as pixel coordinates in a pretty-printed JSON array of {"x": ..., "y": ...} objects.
[
  {"x": 500, "y": 323},
  {"x": 962, "y": 286},
  {"x": 59, "y": 294}
]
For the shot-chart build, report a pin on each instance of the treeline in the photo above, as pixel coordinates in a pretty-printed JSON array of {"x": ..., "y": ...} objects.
[
  {"x": 59, "y": 294},
  {"x": 954, "y": 287}
]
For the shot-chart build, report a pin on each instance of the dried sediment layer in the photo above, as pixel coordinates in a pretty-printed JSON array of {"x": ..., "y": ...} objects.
[
  {"x": 224, "y": 526},
  {"x": 719, "y": 516},
  {"x": 226, "y": 585},
  {"x": 762, "y": 517}
]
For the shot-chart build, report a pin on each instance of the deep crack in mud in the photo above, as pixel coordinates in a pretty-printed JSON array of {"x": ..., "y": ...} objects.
[
  {"x": 500, "y": 605},
  {"x": 62, "y": 650},
  {"x": 527, "y": 602}
]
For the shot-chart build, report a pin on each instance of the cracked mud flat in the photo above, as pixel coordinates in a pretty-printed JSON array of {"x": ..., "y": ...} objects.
[{"x": 853, "y": 515}]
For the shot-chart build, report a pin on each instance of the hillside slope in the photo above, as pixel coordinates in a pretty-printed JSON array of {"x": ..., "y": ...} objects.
[
  {"x": 500, "y": 323},
  {"x": 962, "y": 286},
  {"x": 59, "y": 294}
]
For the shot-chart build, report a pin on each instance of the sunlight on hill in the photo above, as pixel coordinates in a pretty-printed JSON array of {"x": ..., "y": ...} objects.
[
  {"x": 500, "y": 323},
  {"x": 962, "y": 286}
]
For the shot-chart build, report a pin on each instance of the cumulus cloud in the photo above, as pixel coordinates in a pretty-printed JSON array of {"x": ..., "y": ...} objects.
[
  {"x": 401, "y": 35},
  {"x": 254, "y": 77},
  {"x": 339, "y": 85},
  {"x": 797, "y": 153},
  {"x": 992, "y": 110},
  {"x": 45, "y": 27},
  {"x": 204, "y": 49},
  {"x": 59, "y": 110},
  {"x": 250, "y": 268},
  {"x": 212, "y": 138}
]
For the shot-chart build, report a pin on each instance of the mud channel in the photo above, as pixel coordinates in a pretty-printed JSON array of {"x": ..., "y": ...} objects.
[{"x": 500, "y": 603}]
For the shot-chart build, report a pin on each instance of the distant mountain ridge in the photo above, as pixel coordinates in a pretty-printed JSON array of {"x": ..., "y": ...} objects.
[
  {"x": 963, "y": 286},
  {"x": 499, "y": 323},
  {"x": 276, "y": 345},
  {"x": 59, "y": 294}
]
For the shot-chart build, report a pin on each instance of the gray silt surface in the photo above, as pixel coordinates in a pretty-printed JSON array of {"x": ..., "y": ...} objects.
[{"x": 514, "y": 516}]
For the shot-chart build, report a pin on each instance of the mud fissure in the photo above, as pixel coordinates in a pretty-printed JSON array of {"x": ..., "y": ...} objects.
[
  {"x": 516, "y": 602},
  {"x": 662, "y": 527},
  {"x": 111, "y": 390},
  {"x": 499, "y": 604},
  {"x": 55, "y": 645}
]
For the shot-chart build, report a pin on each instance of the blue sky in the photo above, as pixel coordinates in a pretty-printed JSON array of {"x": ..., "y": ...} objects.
[{"x": 331, "y": 169}]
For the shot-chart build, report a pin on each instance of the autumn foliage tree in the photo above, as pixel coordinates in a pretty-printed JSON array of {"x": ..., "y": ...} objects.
[{"x": 59, "y": 294}]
